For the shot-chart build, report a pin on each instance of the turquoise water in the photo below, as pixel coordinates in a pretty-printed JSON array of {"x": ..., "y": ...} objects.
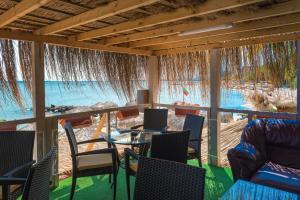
[{"x": 85, "y": 95}]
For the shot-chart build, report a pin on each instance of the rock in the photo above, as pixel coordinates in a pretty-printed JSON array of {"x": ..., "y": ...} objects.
[
  {"x": 80, "y": 109},
  {"x": 226, "y": 117},
  {"x": 58, "y": 109},
  {"x": 107, "y": 104}
]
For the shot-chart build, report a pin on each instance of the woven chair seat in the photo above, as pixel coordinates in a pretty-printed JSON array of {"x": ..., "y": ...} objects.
[
  {"x": 13, "y": 188},
  {"x": 133, "y": 166},
  {"x": 94, "y": 161},
  {"x": 191, "y": 150}
]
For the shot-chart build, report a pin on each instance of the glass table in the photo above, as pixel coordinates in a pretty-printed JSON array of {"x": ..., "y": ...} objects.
[
  {"x": 244, "y": 190},
  {"x": 134, "y": 138},
  {"x": 130, "y": 137}
]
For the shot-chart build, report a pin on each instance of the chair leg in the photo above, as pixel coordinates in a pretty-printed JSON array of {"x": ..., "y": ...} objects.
[
  {"x": 199, "y": 161},
  {"x": 115, "y": 186},
  {"x": 128, "y": 185},
  {"x": 74, "y": 178}
]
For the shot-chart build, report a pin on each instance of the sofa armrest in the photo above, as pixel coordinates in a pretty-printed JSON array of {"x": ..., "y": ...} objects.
[{"x": 244, "y": 160}]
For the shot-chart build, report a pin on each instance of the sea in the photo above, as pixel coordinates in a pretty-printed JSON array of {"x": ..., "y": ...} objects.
[{"x": 85, "y": 93}]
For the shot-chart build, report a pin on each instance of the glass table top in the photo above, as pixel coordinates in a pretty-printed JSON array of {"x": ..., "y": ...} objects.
[{"x": 130, "y": 137}]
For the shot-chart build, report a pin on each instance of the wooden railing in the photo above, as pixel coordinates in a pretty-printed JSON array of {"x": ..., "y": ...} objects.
[
  {"x": 251, "y": 113},
  {"x": 96, "y": 111},
  {"x": 203, "y": 108}
]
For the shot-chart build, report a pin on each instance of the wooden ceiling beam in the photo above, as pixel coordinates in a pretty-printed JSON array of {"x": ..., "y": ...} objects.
[
  {"x": 236, "y": 43},
  {"x": 207, "y": 7},
  {"x": 237, "y": 28},
  {"x": 234, "y": 36},
  {"x": 19, "y": 10},
  {"x": 60, "y": 41},
  {"x": 101, "y": 12},
  {"x": 243, "y": 15}
]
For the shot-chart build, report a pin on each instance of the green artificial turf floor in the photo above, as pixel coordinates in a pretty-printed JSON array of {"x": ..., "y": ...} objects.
[{"x": 218, "y": 180}]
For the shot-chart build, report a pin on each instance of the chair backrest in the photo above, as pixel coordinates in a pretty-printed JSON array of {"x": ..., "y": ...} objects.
[
  {"x": 155, "y": 119},
  {"x": 16, "y": 149},
  {"x": 194, "y": 123},
  {"x": 71, "y": 138},
  {"x": 37, "y": 184},
  {"x": 171, "y": 146},
  {"x": 166, "y": 180}
]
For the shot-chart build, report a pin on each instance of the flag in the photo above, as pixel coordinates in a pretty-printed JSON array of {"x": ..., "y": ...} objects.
[{"x": 185, "y": 91}]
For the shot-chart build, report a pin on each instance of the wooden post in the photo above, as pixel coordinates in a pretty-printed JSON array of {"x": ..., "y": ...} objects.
[
  {"x": 46, "y": 129},
  {"x": 250, "y": 117},
  {"x": 38, "y": 97},
  {"x": 153, "y": 79},
  {"x": 214, "y": 116},
  {"x": 298, "y": 77},
  {"x": 108, "y": 123}
]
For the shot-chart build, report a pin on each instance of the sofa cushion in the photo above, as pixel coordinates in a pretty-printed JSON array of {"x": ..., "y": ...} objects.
[
  {"x": 254, "y": 133},
  {"x": 284, "y": 133},
  {"x": 278, "y": 176},
  {"x": 288, "y": 157}
]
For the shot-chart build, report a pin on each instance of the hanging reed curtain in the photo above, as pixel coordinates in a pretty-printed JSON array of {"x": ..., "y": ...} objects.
[
  {"x": 185, "y": 70},
  {"x": 124, "y": 73},
  {"x": 273, "y": 63},
  {"x": 15, "y": 56}
]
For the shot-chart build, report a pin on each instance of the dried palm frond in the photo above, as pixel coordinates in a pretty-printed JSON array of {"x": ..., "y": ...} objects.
[
  {"x": 122, "y": 71},
  {"x": 25, "y": 56},
  {"x": 8, "y": 72},
  {"x": 179, "y": 69},
  {"x": 274, "y": 63}
]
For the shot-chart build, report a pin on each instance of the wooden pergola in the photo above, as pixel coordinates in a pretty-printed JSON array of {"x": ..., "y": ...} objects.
[{"x": 151, "y": 28}]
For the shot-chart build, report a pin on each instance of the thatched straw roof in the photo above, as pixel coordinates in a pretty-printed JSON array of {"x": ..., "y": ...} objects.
[
  {"x": 84, "y": 37},
  {"x": 148, "y": 26}
]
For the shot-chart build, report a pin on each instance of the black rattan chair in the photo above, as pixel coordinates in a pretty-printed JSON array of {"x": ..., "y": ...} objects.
[
  {"x": 194, "y": 123},
  {"x": 91, "y": 163},
  {"x": 38, "y": 180},
  {"x": 16, "y": 158},
  {"x": 169, "y": 146},
  {"x": 158, "y": 179},
  {"x": 154, "y": 119}
]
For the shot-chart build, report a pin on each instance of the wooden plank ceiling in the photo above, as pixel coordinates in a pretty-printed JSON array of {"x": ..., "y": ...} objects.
[{"x": 150, "y": 27}]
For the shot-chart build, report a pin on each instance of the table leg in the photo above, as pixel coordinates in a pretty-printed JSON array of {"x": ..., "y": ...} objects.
[{"x": 5, "y": 192}]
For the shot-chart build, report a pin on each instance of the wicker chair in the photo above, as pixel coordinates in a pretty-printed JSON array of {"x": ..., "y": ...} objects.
[
  {"x": 91, "y": 163},
  {"x": 154, "y": 119},
  {"x": 194, "y": 123},
  {"x": 169, "y": 146},
  {"x": 16, "y": 158},
  {"x": 37, "y": 183},
  {"x": 158, "y": 179}
]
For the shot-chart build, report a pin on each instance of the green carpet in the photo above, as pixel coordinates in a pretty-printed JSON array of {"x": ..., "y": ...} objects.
[{"x": 218, "y": 180}]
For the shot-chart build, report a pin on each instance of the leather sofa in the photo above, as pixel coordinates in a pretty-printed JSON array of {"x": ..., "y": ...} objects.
[{"x": 269, "y": 154}]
